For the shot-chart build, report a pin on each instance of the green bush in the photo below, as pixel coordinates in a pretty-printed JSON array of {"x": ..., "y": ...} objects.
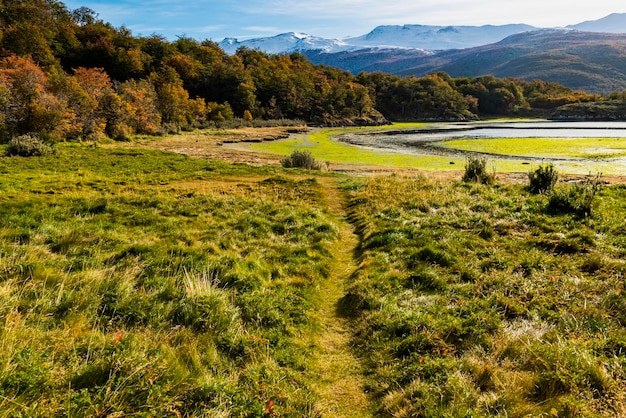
[
  {"x": 301, "y": 159},
  {"x": 476, "y": 171},
  {"x": 27, "y": 146},
  {"x": 543, "y": 179},
  {"x": 576, "y": 198}
]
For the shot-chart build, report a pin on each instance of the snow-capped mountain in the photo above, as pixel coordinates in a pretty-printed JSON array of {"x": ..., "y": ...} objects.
[
  {"x": 285, "y": 43},
  {"x": 436, "y": 37},
  {"x": 419, "y": 37},
  {"x": 422, "y": 38}
]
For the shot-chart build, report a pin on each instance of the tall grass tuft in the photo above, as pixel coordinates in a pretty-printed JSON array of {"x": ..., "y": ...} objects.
[
  {"x": 543, "y": 179},
  {"x": 577, "y": 198},
  {"x": 476, "y": 171},
  {"x": 301, "y": 159}
]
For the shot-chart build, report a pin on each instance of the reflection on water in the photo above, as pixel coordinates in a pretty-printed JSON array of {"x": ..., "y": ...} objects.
[{"x": 542, "y": 129}]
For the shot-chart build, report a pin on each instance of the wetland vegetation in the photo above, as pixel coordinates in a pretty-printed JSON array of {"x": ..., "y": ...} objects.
[
  {"x": 141, "y": 274},
  {"x": 141, "y": 282}
]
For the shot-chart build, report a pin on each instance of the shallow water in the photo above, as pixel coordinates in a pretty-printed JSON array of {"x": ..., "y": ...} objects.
[
  {"x": 440, "y": 140},
  {"x": 542, "y": 129}
]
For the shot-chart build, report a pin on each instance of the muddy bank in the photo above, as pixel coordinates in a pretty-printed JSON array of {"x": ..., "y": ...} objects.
[{"x": 431, "y": 140}]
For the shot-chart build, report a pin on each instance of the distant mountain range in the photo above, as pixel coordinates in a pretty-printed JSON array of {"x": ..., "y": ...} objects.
[
  {"x": 589, "y": 56},
  {"x": 418, "y": 37}
]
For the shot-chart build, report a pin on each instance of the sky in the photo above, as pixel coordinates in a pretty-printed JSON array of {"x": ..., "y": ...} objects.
[{"x": 245, "y": 19}]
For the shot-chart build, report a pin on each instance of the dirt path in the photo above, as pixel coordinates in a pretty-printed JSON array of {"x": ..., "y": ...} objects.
[{"x": 340, "y": 386}]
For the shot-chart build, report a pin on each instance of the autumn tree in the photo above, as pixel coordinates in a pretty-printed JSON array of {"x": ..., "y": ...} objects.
[
  {"x": 173, "y": 98},
  {"x": 92, "y": 86},
  {"x": 28, "y": 104},
  {"x": 495, "y": 96},
  {"x": 41, "y": 29},
  {"x": 141, "y": 106},
  {"x": 219, "y": 112}
]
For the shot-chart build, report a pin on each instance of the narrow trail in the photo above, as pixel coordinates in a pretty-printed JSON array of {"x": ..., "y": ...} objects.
[{"x": 340, "y": 379}]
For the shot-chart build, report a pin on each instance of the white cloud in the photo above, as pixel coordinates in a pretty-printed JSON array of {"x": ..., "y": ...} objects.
[{"x": 335, "y": 18}]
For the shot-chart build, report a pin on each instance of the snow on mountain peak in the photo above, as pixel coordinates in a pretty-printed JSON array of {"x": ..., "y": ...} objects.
[
  {"x": 285, "y": 43},
  {"x": 414, "y": 37}
]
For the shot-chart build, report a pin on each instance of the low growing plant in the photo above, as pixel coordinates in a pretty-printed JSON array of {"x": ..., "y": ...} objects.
[
  {"x": 543, "y": 179},
  {"x": 576, "y": 198},
  {"x": 27, "y": 146},
  {"x": 476, "y": 171},
  {"x": 301, "y": 159}
]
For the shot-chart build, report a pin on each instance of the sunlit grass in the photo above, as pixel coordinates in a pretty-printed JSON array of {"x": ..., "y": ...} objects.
[
  {"x": 145, "y": 283},
  {"x": 584, "y": 148},
  {"x": 321, "y": 145},
  {"x": 586, "y": 154},
  {"x": 476, "y": 300},
  {"x": 602, "y": 155}
]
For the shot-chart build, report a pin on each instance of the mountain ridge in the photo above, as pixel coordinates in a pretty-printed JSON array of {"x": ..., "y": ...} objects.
[
  {"x": 419, "y": 37},
  {"x": 590, "y": 61},
  {"x": 587, "y": 56},
  {"x": 412, "y": 36}
]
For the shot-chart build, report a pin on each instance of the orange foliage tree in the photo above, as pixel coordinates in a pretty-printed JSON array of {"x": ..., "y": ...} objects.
[
  {"x": 28, "y": 105},
  {"x": 141, "y": 105},
  {"x": 89, "y": 88}
]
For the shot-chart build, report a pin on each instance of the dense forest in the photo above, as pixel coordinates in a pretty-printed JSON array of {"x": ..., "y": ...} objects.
[{"x": 65, "y": 74}]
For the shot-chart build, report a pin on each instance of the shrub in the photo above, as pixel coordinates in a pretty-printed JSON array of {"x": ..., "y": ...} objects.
[
  {"x": 543, "y": 179},
  {"x": 27, "y": 146},
  {"x": 476, "y": 171},
  {"x": 120, "y": 133},
  {"x": 301, "y": 159},
  {"x": 575, "y": 198}
]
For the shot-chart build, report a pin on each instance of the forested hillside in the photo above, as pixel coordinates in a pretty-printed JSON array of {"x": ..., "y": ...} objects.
[{"x": 65, "y": 74}]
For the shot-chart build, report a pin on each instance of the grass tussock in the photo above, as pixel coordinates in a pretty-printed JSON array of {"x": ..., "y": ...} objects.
[
  {"x": 27, "y": 146},
  {"x": 301, "y": 159},
  {"x": 543, "y": 179},
  {"x": 476, "y": 171},
  {"x": 577, "y": 198}
]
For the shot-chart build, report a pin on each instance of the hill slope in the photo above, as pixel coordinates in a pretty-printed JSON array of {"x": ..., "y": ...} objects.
[
  {"x": 594, "y": 62},
  {"x": 613, "y": 23}
]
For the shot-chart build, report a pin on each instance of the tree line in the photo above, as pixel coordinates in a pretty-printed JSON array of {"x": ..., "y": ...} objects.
[{"x": 69, "y": 75}]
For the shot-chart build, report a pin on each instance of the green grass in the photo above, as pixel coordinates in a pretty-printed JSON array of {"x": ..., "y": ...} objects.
[
  {"x": 146, "y": 284},
  {"x": 321, "y": 145},
  {"x": 475, "y": 300},
  {"x": 592, "y": 152},
  {"x": 584, "y": 148}
]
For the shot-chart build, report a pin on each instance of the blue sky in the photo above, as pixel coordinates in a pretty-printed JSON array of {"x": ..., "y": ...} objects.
[{"x": 213, "y": 19}]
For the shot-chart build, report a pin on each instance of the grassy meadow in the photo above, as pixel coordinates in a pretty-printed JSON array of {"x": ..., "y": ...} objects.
[
  {"x": 475, "y": 300},
  {"x": 138, "y": 283},
  {"x": 144, "y": 283}
]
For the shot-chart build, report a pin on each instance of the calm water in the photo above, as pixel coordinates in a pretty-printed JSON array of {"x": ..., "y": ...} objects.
[
  {"x": 541, "y": 129},
  {"x": 427, "y": 141}
]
